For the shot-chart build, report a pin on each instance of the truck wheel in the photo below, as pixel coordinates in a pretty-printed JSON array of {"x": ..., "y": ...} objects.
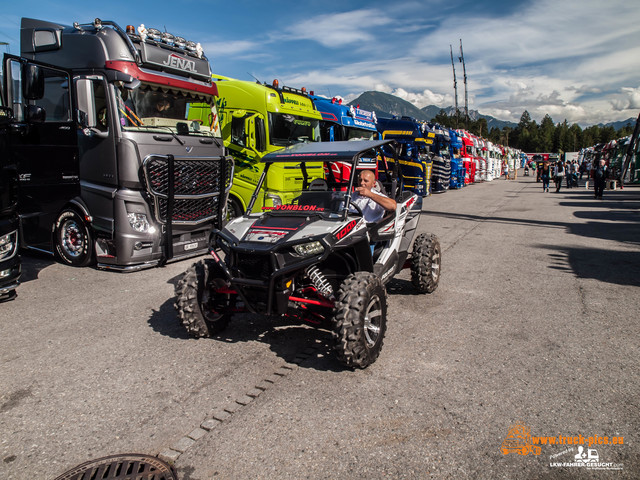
[
  {"x": 425, "y": 263},
  {"x": 195, "y": 303},
  {"x": 234, "y": 209},
  {"x": 72, "y": 239},
  {"x": 360, "y": 319}
]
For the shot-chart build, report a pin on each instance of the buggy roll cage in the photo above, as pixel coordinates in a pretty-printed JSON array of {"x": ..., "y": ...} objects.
[{"x": 349, "y": 152}]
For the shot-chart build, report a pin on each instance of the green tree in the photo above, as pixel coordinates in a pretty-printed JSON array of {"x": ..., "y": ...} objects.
[
  {"x": 545, "y": 139},
  {"x": 575, "y": 138},
  {"x": 443, "y": 119}
]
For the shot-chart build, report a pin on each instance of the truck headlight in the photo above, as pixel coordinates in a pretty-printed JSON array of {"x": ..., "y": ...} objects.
[
  {"x": 308, "y": 249},
  {"x": 139, "y": 223},
  {"x": 8, "y": 245},
  {"x": 275, "y": 199}
]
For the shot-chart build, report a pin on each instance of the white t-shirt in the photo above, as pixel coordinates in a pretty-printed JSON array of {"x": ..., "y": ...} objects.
[{"x": 371, "y": 211}]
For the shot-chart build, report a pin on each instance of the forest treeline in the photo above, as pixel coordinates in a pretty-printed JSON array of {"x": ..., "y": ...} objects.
[{"x": 530, "y": 137}]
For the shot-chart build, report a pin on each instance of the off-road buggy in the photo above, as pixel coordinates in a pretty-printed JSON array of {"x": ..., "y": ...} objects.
[{"x": 315, "y": 259}]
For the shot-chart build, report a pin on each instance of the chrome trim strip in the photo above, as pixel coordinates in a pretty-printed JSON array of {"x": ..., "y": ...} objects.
[{"x": 8, "y": 288}]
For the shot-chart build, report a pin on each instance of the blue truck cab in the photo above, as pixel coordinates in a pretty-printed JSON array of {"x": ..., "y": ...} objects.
[
  {"x": 344, "y": 122},
  {"x": 441, "y": 172},
  {"x": 457, "y": 168},
  {"x": 415, "y": 140}
]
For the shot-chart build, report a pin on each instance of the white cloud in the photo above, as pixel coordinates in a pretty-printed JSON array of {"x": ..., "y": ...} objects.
[
  {"x": 628, "y": 99},
  {"x": 338, "y": 29},
  {"x": 421, "y": 99},
  {"x": 535, "y": 58}
]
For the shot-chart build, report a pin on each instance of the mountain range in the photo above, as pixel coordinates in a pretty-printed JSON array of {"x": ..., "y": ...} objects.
[{"x": 387, "y": 105}]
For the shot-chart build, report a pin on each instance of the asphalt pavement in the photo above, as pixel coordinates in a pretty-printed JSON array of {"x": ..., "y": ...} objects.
[{"x": 531, "y": 337}]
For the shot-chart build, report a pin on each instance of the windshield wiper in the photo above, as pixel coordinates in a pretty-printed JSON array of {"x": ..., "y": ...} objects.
[{"x": 170, "y": 131}]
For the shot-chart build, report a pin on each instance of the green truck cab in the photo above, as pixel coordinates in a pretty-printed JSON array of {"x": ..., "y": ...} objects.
[{"x": 257, "y": 119}]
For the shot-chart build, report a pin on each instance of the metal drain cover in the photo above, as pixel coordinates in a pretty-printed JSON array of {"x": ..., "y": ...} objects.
[{"x": 122, "y": 467}]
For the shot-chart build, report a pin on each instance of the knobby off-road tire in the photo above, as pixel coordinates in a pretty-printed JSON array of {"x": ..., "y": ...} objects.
[
  {"x": 195, "y": 302},
  {"x": 425, "y": 263},
  {"x": 360, "y": 319}
]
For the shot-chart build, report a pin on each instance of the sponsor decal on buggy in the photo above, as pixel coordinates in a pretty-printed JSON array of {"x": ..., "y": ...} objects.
[
  {"x": 258, "y": 233},
  {"x": 265, "y": 235},
  {"x": 346, "y": 229},
  {"x": 388, "y": 273},
  {"x": 296, "y": 208},
  {"x": 389, "y": 228}
]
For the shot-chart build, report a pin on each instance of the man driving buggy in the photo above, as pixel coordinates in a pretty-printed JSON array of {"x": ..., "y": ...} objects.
[{"x": 370, "y": 199}]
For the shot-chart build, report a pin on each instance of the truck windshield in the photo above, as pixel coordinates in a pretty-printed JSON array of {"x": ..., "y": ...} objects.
[
  {"x": 150, "y": 107},
  {"x": 359, "y": 134},
  {"x": 289, "y": 129}
]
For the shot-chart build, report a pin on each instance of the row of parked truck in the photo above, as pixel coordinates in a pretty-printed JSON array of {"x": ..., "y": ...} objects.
[
  {"x": 622, "y": 156},
  {"x": 120, "y": 148}
]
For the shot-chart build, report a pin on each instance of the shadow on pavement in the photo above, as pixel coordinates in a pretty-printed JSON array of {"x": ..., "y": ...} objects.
[
  {"x": 618, "y": 225},
  {"x": 610, "y": 266},
  {"x": 33, "y": 263},
  {"x": 286, "y": 337},
  {"x": 615, "y": 218}
]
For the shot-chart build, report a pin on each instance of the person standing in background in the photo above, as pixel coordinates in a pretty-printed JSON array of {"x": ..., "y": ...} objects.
[
  {"x": 545, "y": 175},
  {"x": 600, "y": 174},
  {"x": 558, "y": 175}
]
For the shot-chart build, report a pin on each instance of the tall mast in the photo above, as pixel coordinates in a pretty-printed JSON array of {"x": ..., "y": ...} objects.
[
  {"x": 466, "y": 97},
  {"x": 455, "y": 84}
]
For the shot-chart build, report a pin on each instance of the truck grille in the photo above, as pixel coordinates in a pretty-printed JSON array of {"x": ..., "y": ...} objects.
[
  {"x": 197, "y": 182},
  {"x": 189, "y": 211}
]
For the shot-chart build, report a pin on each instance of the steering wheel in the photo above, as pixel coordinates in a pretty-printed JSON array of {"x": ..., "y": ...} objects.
[{"x": 358, "y": 209}]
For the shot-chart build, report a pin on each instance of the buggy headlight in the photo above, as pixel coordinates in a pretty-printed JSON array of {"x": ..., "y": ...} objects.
[
  {"x": 8, "y": 245},
  {"x": 308, "y": 249}
]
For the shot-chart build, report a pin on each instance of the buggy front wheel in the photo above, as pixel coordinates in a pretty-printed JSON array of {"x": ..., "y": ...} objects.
[
  {"x": 360, "y": 319},
  {"x": 203, "y": 312}
]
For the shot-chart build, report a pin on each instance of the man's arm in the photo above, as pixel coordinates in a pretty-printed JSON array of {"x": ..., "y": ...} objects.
[{"x": 385, "y": 202}]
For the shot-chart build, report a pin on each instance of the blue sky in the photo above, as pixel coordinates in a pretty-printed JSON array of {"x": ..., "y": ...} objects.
[{"x": 575, "y": 60}]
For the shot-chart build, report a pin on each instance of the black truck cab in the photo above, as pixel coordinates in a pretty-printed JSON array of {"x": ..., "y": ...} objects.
[
  {"x": 9, "y": 258},
  {"x": 115, "y": 165}
]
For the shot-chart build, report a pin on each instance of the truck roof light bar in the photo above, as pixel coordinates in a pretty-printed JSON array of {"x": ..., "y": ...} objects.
[{"x": 154, "y": 36}]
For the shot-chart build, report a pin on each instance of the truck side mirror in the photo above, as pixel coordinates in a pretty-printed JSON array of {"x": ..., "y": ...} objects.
[
  {"x": 32, "y": 82},
  {"x": 261, "y": 135},
  {"x": 250, "y": 132},
  {"x": 86, "y": 103}
]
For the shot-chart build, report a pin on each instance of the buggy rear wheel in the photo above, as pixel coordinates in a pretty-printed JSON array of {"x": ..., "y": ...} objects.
[
  {"x": 360, "y": 319},
  {"x": 425, "y": 263},
  {"x": 201, "y": 310}
]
